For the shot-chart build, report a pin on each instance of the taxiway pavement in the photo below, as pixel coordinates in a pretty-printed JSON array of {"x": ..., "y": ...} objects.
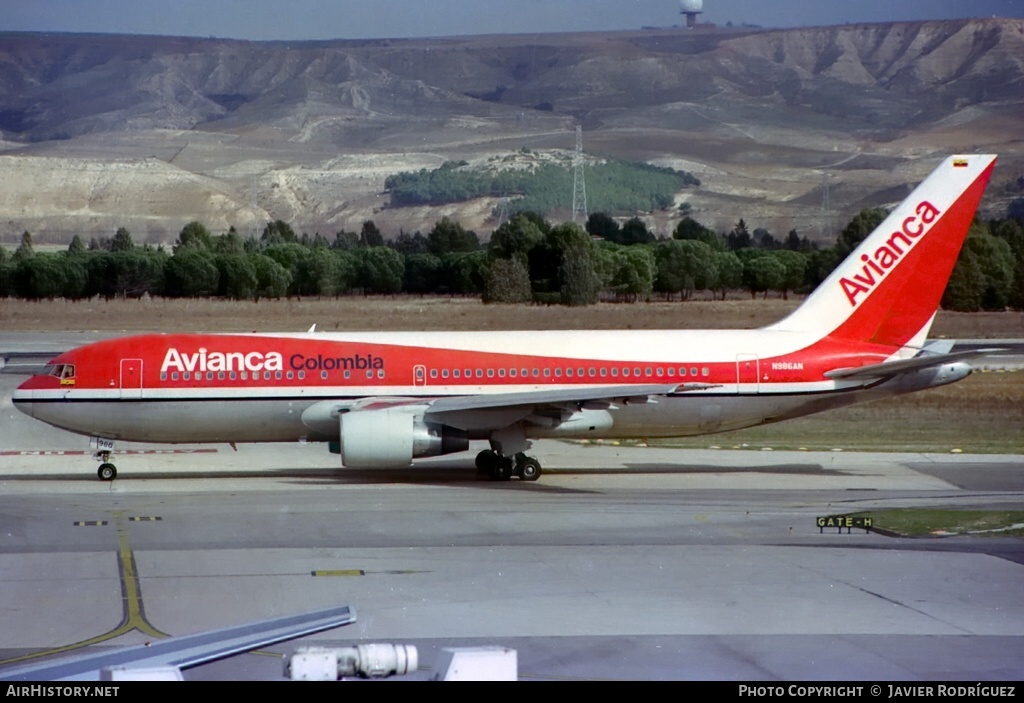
[{"x": 621, "y": 563}]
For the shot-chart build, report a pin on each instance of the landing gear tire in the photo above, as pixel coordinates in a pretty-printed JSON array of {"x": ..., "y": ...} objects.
[
  {"x": 527, "y": 468},
  {"x": 107, "y": 472},
  {"x": 486, "y": 461},
  {"x": 503, "y": 468}
]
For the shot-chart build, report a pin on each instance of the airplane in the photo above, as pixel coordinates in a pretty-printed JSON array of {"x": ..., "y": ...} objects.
[{"x": 383, "y": 399}]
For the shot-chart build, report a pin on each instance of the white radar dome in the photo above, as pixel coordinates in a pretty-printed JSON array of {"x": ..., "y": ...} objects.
[{"x": 687, "y": 6}]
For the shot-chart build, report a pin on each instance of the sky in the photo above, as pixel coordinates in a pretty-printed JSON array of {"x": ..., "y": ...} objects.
[{"x": 363, "y": 19}]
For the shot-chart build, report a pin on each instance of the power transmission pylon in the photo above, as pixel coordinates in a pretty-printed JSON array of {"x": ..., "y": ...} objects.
[
  {"x": 502, "y": 210},
  {"x": 826, "y": 211},
  {"x": 254, "y": 226},
  {"x": 579, "y": 186}
]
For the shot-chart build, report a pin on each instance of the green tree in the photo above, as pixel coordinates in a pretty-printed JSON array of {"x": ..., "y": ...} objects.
[
  {"x": 739, "y": 237},
  {"x": 326, "y": 272},
  {"x": 634, "y": 231},
  {"x": 345, "y": 241},
  {"x": 122, "y": 240},
  {"x": 230, "y": 243},
  {"x": 600, "y": 224},
  {"x": 370, "y": 235},
  {"x": 465, "y": 272},
  {"x": 6, "y": 278},
  {"x": 291, "y": 256},
  {"x": 39, "y": 276},
  {"x": 684, "y": 265},
  {"x": 1011, "y": 231},
  {"x": 515, "y": 239},
  {"x": 191, "y": 273},
  {"x": 49, "y": 276},
  {"x": 278, "y": 232},
  {"x": 795, "y": 264},
  {"x": 237, "y": 276},
  {"x": 24, "y": 250},
  {"x": 966, "y": 285},
  {"x": 729, "y": 272},
  {"x": 762, "y": 274},
  {"x": 449, "y": 237},
  {"x": 75, "y": 248},
  {"x": 422, "y": 274},
  {"x": 689, "y": 228},
  {"x": 820, "y": 264},
  {"x": 579, "y": 282},
  {"x": 407, "y": 244},
  {"x": 995, "y": 258},
  {"x": 546, "y": 260},
  {"x": 863, "y": 223},
  {"x": 127, "y": 274},
  {"x": 194, "y": 235},
  {"x": 633, "y": 277},
  {"x": 272, "y": 279},
  {"x": 508, "y": 281},
  {"x": 380, "y": 269}
]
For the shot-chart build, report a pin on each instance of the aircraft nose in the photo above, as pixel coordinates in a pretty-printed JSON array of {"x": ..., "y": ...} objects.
[{"x": 22, "y": 397}]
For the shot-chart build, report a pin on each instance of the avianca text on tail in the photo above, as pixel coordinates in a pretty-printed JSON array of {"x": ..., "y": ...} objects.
[
  {"x": 888, "y": 255},
  {"x": 387, "y": 399}
]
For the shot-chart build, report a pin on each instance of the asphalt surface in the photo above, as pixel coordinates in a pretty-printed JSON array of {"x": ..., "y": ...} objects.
[{"x": 621, "y": 563}]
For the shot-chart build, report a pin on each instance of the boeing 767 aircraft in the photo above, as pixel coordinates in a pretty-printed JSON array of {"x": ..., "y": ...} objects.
[{"x": 384, "y": 399}]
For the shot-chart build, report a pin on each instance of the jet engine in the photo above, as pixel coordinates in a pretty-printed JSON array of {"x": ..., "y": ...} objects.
[{"x": 393, "y": 437}]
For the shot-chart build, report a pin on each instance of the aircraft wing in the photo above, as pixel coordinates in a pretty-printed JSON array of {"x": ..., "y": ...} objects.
[
  {"x": 893, "y": 368},
  {"x": 187, "y": 651},
  {"x": 496, "y": 410},
  {"x": 611, "y": 394}
]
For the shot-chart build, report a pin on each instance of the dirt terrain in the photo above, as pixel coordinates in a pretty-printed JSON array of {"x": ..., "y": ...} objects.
[{"x": 796, "y": 128}]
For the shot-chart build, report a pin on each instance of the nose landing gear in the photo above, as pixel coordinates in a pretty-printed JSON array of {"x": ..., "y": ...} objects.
[{"x": 107, "y": 471}]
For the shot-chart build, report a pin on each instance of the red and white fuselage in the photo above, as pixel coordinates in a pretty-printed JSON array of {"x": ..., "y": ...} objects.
[{"x": 389, "y": 397}]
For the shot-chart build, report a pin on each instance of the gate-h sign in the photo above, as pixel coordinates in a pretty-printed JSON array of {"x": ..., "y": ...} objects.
[{"x": 841, "y": 521}]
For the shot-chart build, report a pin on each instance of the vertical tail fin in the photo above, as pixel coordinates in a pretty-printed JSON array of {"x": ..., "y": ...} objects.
[{"x": 888, "y": 290}]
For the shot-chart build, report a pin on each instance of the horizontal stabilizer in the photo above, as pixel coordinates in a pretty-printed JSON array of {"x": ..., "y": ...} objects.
[{"x": 892, "y": 368}]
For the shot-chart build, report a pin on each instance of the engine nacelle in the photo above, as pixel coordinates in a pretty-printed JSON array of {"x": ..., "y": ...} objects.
[{"x": 392, "y": 438}]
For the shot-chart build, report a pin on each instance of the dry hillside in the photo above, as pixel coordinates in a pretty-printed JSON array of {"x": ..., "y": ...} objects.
[{"x": 151, "y": 132}]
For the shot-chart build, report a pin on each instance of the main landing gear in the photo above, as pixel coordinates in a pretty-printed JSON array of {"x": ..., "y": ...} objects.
[
  {"x": 501, "y": 468},
  {"x": 107, "y": 471}
]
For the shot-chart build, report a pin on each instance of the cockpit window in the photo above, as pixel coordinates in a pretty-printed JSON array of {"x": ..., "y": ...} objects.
[{"x": 62, "y": 370}]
